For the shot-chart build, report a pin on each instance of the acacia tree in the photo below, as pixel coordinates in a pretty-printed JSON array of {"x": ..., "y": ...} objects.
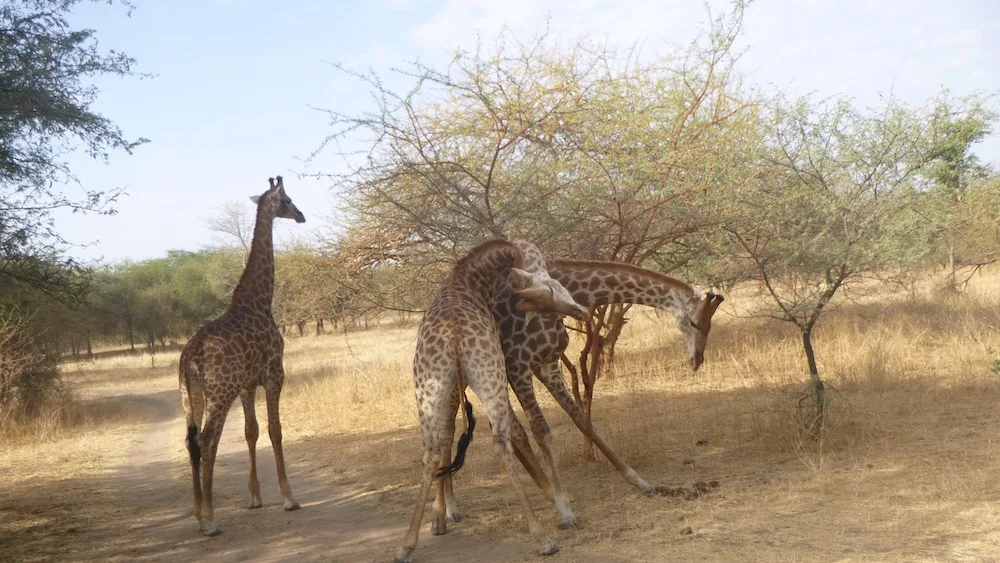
[
  {"x": 586, "y": 151},
  {"x": 46, "y": 100},
  {"x": 960, "y": 205},
  {"x": 822, "y": 213}
]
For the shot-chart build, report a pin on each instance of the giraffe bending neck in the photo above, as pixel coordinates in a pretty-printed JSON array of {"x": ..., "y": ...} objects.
[
  {"x": 257, "y": 282},
  {"x": 593, "y": 283},
  {"x": 486, "y": 267}
]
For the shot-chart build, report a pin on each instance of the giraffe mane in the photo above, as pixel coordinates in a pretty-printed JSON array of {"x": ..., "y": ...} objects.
[
  {"x": 629, "y": 269},
  {"x": 484, "y": 248}
]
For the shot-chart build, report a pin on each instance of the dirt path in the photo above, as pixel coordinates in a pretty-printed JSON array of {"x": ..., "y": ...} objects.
[{"x": 151, "y": 519}]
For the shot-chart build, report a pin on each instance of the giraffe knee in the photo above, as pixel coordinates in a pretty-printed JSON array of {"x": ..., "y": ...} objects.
[
  {"x": 252, "y": 431},
  {"x": 274, "y": 431},
  {"x": 540, "y": 428}
]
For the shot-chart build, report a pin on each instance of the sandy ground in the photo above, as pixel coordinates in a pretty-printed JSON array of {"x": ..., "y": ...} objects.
[{"x": 139, "y": 509}]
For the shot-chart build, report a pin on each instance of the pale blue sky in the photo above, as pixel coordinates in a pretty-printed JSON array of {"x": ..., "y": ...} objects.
[{"x": 229, "y": 106}]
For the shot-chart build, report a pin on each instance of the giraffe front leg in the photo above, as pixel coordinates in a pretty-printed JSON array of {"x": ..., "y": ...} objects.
[
  {"x": 543, "y": 436},
  {"x": 524, "y": 454},
  {"x": 252, "y": 432},
  {"x": 551, "y": 376},
  {"x": 506, "y": 450},
  {"x": 273, "y": 394}
]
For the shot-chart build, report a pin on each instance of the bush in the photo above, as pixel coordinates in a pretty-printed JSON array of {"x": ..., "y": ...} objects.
[{"x": 28, "y": 378}]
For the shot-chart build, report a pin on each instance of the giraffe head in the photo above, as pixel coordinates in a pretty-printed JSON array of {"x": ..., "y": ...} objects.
[
  {"x": 536, "y": 291},
  {"x": 696, "y": 324},
  {"x": 280, "y": 204}
]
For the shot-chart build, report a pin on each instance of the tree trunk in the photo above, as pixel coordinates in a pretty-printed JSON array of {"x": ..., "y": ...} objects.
[
  {"x": 814, "y": 376},
  {"x": 952, "y": 284},
  {"x": 591, "y": 363},
  {"x": 131, "y": 334},
  {"x": 615, "y": 323},
  {"x": 302, "y": 328},
  {"x": 90, "y": 348},
  {"x": 319, "y": 327}
]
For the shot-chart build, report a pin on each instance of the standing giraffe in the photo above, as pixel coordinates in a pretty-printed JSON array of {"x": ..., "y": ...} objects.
[
  {"x": 231, "y": 356},
  {"x": 458, "y": 344},
  {"x": 534, "y": 345}
]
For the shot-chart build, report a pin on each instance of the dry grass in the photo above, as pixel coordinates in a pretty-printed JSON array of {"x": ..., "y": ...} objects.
[
  {"x": 94, "y": 397},
  {"x": 904, "y": 471}
]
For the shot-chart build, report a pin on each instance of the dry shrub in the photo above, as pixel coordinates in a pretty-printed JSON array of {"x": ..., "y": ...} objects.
[{"x": 32, "y": 397}]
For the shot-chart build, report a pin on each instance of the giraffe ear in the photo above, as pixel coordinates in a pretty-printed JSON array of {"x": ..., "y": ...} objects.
[{"x": 255, "y": 199}]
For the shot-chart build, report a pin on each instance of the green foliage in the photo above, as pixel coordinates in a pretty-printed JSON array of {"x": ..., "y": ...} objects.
[
  {"x": 959, "y": 206},
  {"x": 163, "y": 298},
  {"x": 46, "y": 100}
]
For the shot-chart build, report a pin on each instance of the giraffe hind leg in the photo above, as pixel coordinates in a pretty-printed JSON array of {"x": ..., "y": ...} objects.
[
  {"x": 524, "y": 454},
  {"x": 209, "y": 445},
  {"x": 193, "y": 401},
  {"x": 273, "y": 395},
  {"x": 432, "y": 463},
  {"x": 445, "y": 505}
]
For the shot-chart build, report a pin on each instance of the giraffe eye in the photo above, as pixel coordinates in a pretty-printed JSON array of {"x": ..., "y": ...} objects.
[{"x": 694, "y": 325}]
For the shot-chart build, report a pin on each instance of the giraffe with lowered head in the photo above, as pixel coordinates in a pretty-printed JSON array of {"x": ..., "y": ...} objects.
[
  {"x": 229, "y": 357},
  {"x": 458, "y": 344},
  {"x": 535, "y": 344}
]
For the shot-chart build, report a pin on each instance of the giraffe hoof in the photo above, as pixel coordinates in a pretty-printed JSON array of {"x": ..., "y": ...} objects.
[
  {"x": 439, "y": 526},
  {"x": 291, "y": 505},
  {"x": 255, "y": 502},
  {"x": 454, "y": 517},
  {"x": 402, "y": 556},
  {"x": 210, "y": 530},
  {"x": 549, "y": 547},
  {"x": 569, "y": 525}
]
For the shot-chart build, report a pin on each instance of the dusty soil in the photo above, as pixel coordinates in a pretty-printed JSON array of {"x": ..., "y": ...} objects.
[{"x": 132, "y": 503}]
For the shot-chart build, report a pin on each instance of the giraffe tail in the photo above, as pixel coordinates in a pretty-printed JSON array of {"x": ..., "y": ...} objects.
[
  {"x": 466, "y": 438},
  {"x": 463, "y": 443},
  {"x": 193, "y": 413},
  {"x": 193, "y": 449}
]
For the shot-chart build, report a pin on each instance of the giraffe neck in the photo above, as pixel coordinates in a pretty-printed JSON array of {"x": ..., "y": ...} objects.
[
  {"x": 256, "y": 286},
  {"x": 594, "y": 283},
  {"x": 486, "y": 267}
]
